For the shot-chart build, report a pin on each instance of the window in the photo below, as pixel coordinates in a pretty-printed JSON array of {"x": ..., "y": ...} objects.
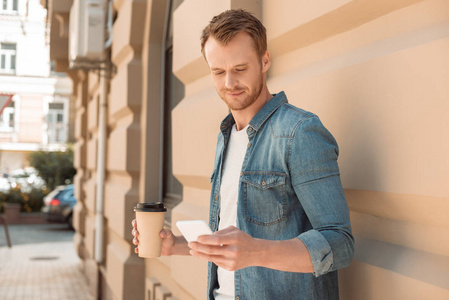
[
  {"x": 7, "y": 58},
  {"x": 7, "y": 118},
  {"x": 56, "y": 128},
  {"x": 9, "y": 6}
]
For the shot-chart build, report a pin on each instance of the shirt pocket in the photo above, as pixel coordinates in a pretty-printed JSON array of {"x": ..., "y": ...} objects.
[{"x": 264, "y": 197}]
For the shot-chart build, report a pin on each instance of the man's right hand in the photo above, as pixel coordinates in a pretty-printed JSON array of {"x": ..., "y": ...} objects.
[{"x": 168, "y": 241}]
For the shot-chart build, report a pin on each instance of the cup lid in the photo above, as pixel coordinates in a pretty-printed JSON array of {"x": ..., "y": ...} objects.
[{"x": 150, "y": 207}]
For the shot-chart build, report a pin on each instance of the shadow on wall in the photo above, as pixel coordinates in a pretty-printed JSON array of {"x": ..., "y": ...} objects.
[
  {"x": 420, "y": 265},
  {"x": 359, "y": 136},
  {"x": 374, "y": 137},
  {"x": 386, "y": 271}
]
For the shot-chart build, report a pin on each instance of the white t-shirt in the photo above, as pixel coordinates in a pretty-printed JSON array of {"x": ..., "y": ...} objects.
[{"x": 232, "y": 167}]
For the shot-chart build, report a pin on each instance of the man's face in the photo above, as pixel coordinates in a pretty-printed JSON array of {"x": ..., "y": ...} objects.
[{"x": 237, "y": 71}]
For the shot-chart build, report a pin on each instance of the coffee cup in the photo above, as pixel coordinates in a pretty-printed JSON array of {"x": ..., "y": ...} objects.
[{"x": 150, "y": 221}]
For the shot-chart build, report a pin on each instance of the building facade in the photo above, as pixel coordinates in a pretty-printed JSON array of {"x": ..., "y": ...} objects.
[
  {"x": 376, "y": 72},
  {"x": 39, "y": 114}
]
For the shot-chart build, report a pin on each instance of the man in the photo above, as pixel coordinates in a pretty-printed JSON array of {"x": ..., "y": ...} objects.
[{"x": 278, "y": 212}]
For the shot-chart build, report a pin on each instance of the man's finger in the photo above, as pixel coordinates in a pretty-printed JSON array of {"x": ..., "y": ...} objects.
[
  {"x": 219, "y": 260},
  {"x": 134, "y": 223},
  {"x": 165, "y": 233},
  {"x": 210, "y": 249},
  {"x": 208, "y": 257},
  {"x": 226, "y": 230},
  {"x": 218, "y": 239}
]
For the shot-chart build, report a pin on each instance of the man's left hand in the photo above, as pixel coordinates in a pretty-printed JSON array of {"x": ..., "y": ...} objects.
[{"x": 229, "y": 248}]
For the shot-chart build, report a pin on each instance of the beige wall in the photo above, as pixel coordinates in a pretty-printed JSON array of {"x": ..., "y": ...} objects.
[
  {"x": 12, "y": 160},
  {"x": 376, "y": 74},
  {"x": 382, "y": 89}
]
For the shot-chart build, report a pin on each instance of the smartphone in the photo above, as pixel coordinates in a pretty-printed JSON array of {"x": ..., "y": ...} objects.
[{"x": 191, "y": 230}]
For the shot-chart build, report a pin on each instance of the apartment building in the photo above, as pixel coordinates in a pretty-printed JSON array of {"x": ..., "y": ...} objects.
[{"x": 40, "y": 114}]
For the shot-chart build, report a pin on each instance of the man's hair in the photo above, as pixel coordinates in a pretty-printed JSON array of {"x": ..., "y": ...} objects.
[{"x": 225, "y": 26}]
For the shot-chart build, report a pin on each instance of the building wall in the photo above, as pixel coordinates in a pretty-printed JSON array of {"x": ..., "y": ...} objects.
[
  {"x": 376, "y": 74},
  {"x": 83, "y": 219},
  {"x": 381, "y": 87},
  {"x": 120, "y": 274},
  {"x": 32, "y": 84},
  {"x": 12, "y": 160},
  {"x": 26, "y": 29}
]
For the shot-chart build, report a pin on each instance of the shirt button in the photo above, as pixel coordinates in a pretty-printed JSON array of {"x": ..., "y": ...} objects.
[
  {"x": 238, "y": 298},
  {"x": 241, "y": 173},
  {"x": 250, "y": 129},
  {"x": 216, "y": 197},
  {"x": 263, "y": 182},
  {"x": 249, "y": 145},
  {"x": 213, "y": 225}
]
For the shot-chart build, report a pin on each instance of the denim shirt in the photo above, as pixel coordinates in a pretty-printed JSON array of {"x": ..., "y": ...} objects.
[{"x": 289, "y": 187}]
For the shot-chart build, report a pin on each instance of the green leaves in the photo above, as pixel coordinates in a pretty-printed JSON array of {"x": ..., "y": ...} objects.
[{"x": 54, "y": 167}]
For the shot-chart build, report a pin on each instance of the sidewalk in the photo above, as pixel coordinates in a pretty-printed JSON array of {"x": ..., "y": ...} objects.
[{"x": 41, "y": 265}]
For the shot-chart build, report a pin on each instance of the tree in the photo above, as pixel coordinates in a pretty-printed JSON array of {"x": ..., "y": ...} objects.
[{"x": 55, "y": 167}]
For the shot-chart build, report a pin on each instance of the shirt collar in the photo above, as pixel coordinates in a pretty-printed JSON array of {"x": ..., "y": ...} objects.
[
  {"x": 262, "y": 116},
  {"x": 267, "y": 110}
]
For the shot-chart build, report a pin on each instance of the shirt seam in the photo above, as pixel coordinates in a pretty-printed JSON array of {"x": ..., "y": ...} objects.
[{"x": 290, "y": 143}]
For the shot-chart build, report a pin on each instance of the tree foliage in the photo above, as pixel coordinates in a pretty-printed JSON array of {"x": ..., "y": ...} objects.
[
  {"x": 55, "y": 167},
  {"x": 30, "y": 201}
]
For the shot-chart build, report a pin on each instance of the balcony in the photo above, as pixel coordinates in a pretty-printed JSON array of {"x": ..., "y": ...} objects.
[
  {"x": 57, "y": 132},
  {"x": 34, "y": 132}
]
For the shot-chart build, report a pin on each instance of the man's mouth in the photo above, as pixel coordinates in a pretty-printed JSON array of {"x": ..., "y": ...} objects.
[{"x": 234, "y": 93}]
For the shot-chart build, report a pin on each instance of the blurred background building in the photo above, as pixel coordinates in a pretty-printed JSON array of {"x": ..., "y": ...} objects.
[
  {"x": 147, "y": 117},
  {"x": 40, "y": 115}
]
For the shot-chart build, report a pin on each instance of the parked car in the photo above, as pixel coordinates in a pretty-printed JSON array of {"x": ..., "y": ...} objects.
[
  {"x": 50, "y": 196},
  {"x": 59, "y": 208}
]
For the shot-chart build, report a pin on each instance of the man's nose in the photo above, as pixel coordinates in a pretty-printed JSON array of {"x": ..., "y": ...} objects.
[{"x": 230, "y": 81}]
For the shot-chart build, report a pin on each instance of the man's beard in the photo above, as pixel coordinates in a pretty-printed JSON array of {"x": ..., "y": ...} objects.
[{"x": 248, "y": 101}]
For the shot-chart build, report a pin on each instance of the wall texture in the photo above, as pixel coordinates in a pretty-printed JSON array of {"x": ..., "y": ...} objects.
[{"x": 375, "y": 72}]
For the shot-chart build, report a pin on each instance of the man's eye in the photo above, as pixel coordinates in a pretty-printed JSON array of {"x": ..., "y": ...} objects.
[
  {"x": 240, "y": 70},
  {"x": 218, "y": 73}
]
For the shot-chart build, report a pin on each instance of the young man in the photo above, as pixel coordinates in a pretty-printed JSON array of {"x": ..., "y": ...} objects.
[{"x": 277, "y": 207}]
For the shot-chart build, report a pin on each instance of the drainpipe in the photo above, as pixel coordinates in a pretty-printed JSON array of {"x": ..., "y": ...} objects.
[
  {"x": 101, "y": 150},
  {"x": 99, "y": 209}
]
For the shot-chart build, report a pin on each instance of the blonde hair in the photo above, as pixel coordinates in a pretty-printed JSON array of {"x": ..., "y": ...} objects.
[{"x": 225, "y": 26}]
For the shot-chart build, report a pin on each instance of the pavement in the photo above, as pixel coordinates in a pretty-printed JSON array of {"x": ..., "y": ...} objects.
[{"x": 41, "y": 264}]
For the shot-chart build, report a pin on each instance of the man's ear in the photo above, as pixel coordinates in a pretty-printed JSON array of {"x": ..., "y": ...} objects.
[{"x": 266, "y": 61}]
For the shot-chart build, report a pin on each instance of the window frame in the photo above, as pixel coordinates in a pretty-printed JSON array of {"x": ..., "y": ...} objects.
[
  {"x": 171, "y": 198},
  {"x": 55, "y": 127},
  {"x": 12, "y": 7},
  {"x": 8, "y": 124},
  {"x": 7, "y": 56}
]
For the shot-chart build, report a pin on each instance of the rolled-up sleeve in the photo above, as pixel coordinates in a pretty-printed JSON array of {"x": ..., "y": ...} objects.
[{"x": 315, "y": 178}]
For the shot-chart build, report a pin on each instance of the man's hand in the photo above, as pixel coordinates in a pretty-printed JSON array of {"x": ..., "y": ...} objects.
[
  {"x": 168, "y": 242},
  {"x": 229, "y": 248},
  {"x": 233, "y": 249},
  {"x": 171, "y": 245},
  {"x": 135, "y": 234}
]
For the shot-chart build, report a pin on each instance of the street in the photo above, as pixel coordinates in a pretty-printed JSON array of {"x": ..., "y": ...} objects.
[{"x": 42, "y": 264}]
